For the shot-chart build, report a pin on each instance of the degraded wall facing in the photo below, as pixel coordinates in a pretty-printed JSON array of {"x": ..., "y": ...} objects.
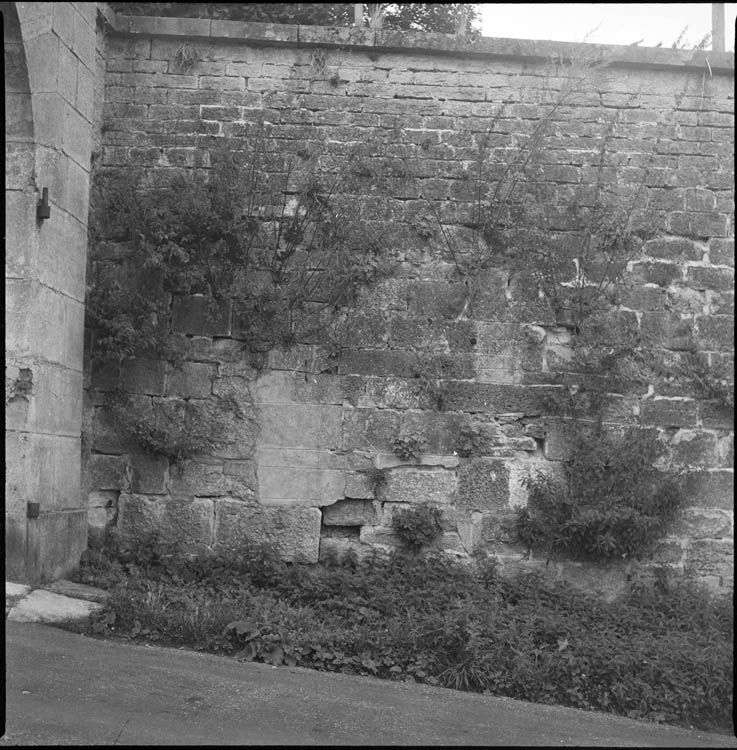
[{"x": 313, "y": 464}]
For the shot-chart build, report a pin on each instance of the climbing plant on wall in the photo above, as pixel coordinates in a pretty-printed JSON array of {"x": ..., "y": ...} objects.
[{"x": 285, "y": 244}]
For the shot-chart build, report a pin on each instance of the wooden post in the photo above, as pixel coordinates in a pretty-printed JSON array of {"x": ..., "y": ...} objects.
[
  {"x": 717, "y": 27},
  {"x": 358, "y": 14}
]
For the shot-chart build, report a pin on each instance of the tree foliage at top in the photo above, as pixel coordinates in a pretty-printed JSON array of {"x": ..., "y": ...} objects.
[{"x": 438, "y": 17}]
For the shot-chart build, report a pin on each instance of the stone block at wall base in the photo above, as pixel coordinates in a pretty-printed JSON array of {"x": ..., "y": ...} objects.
[
  {"x": 414, "y": 485},
  {"x": 186, "y": 523},
  {"x": 293, "y": 533},
  {"x": 710, "y": 489},
  {"x": 709, "y": 557},
  {"x": 350, "y": 513},
  {"x": 105, "y": 472},
  {"x": 608, "y": 580},
  {"x": 483, "y": 485}
]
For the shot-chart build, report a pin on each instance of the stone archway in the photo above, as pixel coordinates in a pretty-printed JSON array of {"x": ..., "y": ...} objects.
[{"x": 49, "y": 75}]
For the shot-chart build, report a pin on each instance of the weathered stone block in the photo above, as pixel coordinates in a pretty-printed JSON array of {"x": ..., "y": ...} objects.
[
  {"x": 673, "y": 249},
  {"x": 725, "y": 451},
  {"x": 193, "y": 380},
  {"x": 195, "y": 347},
  {"x": 698, "y": 523},
  {"x": 722, "y": 303},
  {"x": 294, "y": 533},
  {"x": 557, "y": 439},
  {"x": 721, "y": 252},
  {"x": 313, "y": 426},
  {"x": 668, "y": 330},
  {"x": 434, "y": 298},
  {"x": 299, "y": 486},
  {"x": 440, "y": 430},
  {"x": 244, "y": 470},
  {"x": 716, "y": 415},
  {"x": 359, "y": 485},
  {"x": 380, "y": 536},
  {"x": 716, "y": 332},
  {"x": 483, "y": 485},
  {"x": 685, "y": 301},
  {"x": 400, "y": 363},
  {"x": 718, "y": 279},
  {"x": 495, "y": 399},
  {"x": 148, "y": 474},
  {"x": 188, "y": 523},
  {"x": 301, "y": 358},
  {"x": 645, "y": 298},
  {"x": 369, "y": 429},
  {"x": 668, "y": 552},
  {"x": 366, "y": 329},
  {"x": 694, "y": 448},
  {"x": 108, "y": 436},
  {"x": 669, "y": 412},
  {"x": 350, "y": 513},
  {"x": 416, "y": 485},
  {"x": 711, "y": 557},
  {"x": 710, "y": 489},
  {"x": 206, "y": 478},
  {"x": 392, "y": 461},
  {"x": 107, "y": 473},
  {"x": 662, "y": 273},
  {"x": 703, "y": 225},
  {"x": 389, "y": 393},
  {"x": 103, "y": 499},
  {"x": 193, "y": 314},
  {"x": 284, "y": 387},
  {"x": 145, "y": 376}
]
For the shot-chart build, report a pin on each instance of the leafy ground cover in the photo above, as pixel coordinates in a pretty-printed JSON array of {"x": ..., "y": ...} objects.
[{"x": 662, "y": 652}]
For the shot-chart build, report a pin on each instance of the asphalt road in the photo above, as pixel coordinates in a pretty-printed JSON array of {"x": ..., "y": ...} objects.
[{"x": 64, "y": 689}]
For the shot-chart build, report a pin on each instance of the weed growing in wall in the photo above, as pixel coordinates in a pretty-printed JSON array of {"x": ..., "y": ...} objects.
[
  {"x": 613, "y": 502},
  {"x": 408, "y": 447},
  {"x": 417, "y": 526},
  {"x": 177, "y": 429}
]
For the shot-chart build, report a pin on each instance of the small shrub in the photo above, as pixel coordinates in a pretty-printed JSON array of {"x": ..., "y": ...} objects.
[
  {"x": 613, "y": 502},
  {"x": 408, "y": 447},
  {"x": 417, "y": 526},
  {"x": 177, "y": 429}
]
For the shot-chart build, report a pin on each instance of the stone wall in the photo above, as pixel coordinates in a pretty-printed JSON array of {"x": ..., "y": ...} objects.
[
  {"x": 301, "y": 473},
  {"x": 49, "y": 84}
]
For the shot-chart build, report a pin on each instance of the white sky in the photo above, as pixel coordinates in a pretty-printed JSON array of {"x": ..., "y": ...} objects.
[{"x": 605, "y": 23}]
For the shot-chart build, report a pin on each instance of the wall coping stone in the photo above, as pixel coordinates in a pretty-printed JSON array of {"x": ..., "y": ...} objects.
[{"x": 384, "y": 40}]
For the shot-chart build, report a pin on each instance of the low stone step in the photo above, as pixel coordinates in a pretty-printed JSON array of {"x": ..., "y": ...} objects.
[
  {"x": 76, "y": 590},
  {"x": 45, "y": 606}
]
